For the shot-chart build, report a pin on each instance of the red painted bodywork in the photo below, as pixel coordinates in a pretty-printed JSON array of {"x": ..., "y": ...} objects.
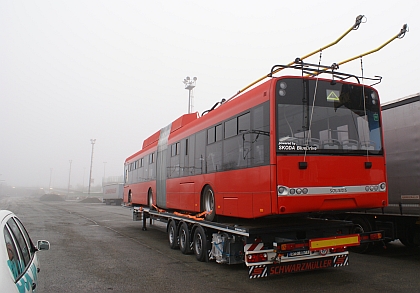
[{"x": 252, "y": 192}]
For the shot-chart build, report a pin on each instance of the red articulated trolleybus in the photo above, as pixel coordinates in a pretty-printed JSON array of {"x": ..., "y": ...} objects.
[{"x": 243, "y": 181}]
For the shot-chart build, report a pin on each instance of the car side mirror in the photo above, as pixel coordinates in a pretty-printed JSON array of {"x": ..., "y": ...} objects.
[{"x": 43, "y": 245}]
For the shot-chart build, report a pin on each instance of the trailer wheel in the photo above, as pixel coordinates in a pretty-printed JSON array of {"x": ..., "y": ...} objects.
[
  {"x": 184, "y": 239},
  {"x": 173, "y": 235},
  {"x": 200, "y": 243},
  {"x": 208, "y": 203},
  {"x": 361, "y": 226},
  {"x": 409, "y": 237}
]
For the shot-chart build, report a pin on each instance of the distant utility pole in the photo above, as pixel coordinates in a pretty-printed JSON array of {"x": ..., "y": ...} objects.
[
  {"x": 92, "y": 141},
  {"x": 50, "y": 187},
  {"x": 68, "y": 186},
  {"x": 190, "y": 85}
]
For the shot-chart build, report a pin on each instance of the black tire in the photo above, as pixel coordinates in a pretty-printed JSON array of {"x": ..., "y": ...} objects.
[
  {"x": 173, "y": 235},
  {"x": 361, "y": 226},
  {"x": 200, "y": 244},
  {"x": 409, "y": 237},
  {"x": 209, "y": 203},
  {"x": 184, "y": 239}
]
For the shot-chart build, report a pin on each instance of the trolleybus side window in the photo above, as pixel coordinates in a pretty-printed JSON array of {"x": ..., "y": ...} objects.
[
  {"x": 214, "y": 134},
  {"x": 231, "y": 127},
  {"x": 200, "y": 152},
  {"x": 183, "y": 160},
  {"x": 191, "y": 154},
  {"x": 211, "y": 135},
  {"x": 261, "y": 135},
  {"x": 151, "y": 171},
  {"x": 214, "y": 157},
  {"x": 174, "y": 160},
  {"x": 140, "y": 171}
]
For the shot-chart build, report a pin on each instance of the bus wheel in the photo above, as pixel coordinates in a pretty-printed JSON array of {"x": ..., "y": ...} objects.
[
  {"x": 361, "y": 226},
  {"x": 200, "y": 244},
  {"x": 150, "y": 198},
  {"x": 173, "y": 235},
  {"x": 208, "y": 203},
  {"x": 184, "y": 239}
]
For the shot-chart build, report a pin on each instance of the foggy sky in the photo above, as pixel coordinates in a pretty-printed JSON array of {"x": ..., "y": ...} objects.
[{"x": 71, "y": 71}]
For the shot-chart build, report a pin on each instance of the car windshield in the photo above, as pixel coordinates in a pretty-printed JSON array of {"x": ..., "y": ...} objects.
[{"x": 319, "y": 116}]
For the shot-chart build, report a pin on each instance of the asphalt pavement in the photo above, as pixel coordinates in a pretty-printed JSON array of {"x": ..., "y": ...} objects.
[{"x": 98, "y": 248}]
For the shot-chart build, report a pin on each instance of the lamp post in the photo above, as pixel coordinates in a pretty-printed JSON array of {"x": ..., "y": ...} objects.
[
  {"x": 68, "y": 185},
  {"x": 50, "y": 187},
  {"x": 92, "y": 141},
  {"x": 189, "y": 85},
  {"x": 103, "y": 178}
]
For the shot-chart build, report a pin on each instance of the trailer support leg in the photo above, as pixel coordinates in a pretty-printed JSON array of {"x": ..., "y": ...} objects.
[{"x": 144, "y": 222}]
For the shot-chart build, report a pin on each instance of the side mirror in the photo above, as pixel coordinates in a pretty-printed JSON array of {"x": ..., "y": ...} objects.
[{"x": 43, "y": 245}]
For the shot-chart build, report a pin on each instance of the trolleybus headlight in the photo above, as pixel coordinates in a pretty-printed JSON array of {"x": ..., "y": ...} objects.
[
  {"x": 305, "y": 190},
  {"x": 367, "y": 188},
  {"x": 382, "y": 186},
  {"x": 283, "y": 85},
  {"x": 282, "y": 92},
  {"x": 371, "y": 188},
  {"x": 298, "y": 191},
  {"x": 292, "y": 191},
  {"x": 282, "y": 190},
  {"x": 376, "y": 187}
]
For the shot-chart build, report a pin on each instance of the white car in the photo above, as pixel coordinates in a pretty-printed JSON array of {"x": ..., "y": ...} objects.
[{"x": 19, "y": 265}]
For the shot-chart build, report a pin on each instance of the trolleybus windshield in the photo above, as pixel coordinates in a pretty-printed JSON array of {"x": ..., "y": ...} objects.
[{"x": 335, "y": 120}]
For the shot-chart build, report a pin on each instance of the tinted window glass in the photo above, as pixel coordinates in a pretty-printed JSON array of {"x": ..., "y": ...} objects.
[
  {"x": 219, "y": 132},
  {"x": 26, "y": 236},
  {"x": 211, "y": 137},
  {"x": 244, "y": 122},
  {"x": 231, "y": 128},
  {"x": 200, "y": 152},
  {"x": 260, "y": 136},
  {"x": 20, "y": 241},
  {"x": 320, "y": 117},
  {"x": 191, "y": 152},
  {"x": 13, "y": 261},
  {"x": 214, "y": 157}
]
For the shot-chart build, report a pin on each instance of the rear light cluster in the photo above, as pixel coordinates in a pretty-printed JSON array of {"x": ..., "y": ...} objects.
[
  {"x": 373, "y": 236},
  {"x": 338, "y": 249},
  {"x": 293, "y": 246},
  {"x": 257, "y": 257}
]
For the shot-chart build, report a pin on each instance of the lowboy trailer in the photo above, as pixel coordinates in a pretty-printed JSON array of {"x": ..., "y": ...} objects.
[{"x": 267, "y": 246}]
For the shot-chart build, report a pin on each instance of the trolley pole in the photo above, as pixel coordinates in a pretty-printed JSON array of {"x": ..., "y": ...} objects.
[{"x": 92, "y": 141}]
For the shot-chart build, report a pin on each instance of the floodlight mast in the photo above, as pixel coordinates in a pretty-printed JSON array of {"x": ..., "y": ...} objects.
[{"x": 190, "y": 85}]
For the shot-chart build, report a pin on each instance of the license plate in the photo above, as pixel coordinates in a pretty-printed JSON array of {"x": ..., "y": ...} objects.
[{"x": 298, "y": 253}]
